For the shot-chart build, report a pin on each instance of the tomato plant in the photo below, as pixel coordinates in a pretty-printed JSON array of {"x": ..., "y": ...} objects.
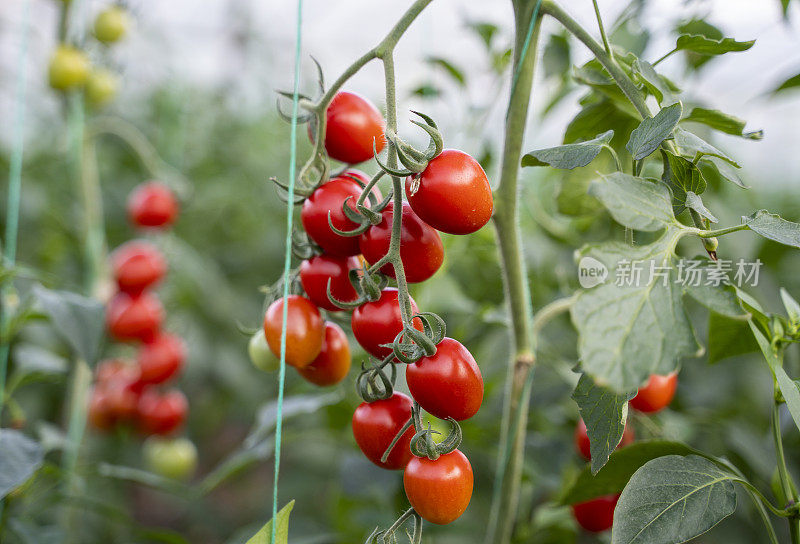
[
  {"x": 583, "y": 445},
  {"x": 439, "y": 489},
  {"x": 375, "y": 425},
  {"x": 305, "y": 330}
]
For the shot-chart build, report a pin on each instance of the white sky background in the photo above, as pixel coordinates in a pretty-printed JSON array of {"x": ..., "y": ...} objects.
[{"x": 195, "y": 42}]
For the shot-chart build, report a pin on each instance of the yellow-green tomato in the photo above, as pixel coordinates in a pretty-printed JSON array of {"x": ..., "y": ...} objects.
[
  {"x": 111, "y": 24},
  {"x": 174, "y": 458},
  {"x": 260, "y": 354},
  {"x": 69, "y": 68},
  {"x": 101, "y": 87}
]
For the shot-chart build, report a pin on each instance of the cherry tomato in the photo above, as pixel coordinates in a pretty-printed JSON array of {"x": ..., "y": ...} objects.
[
  {"x": 329, "y": 198},
  {"x": 69, "y": 68},
  {"x": 260, "y": 354},
  {"x": 353, "y": 124},
  {"x": 99, "y": 415},
  {"x": 111, "y": 24},
  {"x": 596, "y": 515},
  {"x": 137, "y": 265},
  {"x": 116, "y": 369},
  {"x": 134, "y": 317},
  {"x": 305, "y": 330},
  {"x": 161, "y": 413},
  {"x": 152, "y": 204},
  {"x": 333, "y": 362},
  {"x": 656, "y": 394},
  {"x": 378, "y": 322},
  {"x": 122, "y": 399},
  {"x": 421, "y": 248},
  {"x": 375, "y": 424},
  {"x": 448, "y": 383},
  {"x": 439, "y": 490},
  {"x": 583, "y": 445},
  {"x": 101, "y": 87},
  {"x": 452, "y": 193},
  {"x": 174, "y": 458},
  {"x": 161, "y": 359},
  {"x": 315, "y": 273}
]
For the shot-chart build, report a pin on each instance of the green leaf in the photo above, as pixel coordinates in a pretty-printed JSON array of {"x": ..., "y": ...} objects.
[
  {"x": 30, "y": 358},
  {"x": 556, "y": 57},
  {"x": 634, "y": 202},
  {"x": 655, "y": 83},
  {"x": 264, "y": 536},
  {"x": 722, "y": 169},
  {"x": 682, "y": 176},
  {"x": 791, "y": 83},
  {"x": 485, "y": 31},
  {"x": 673, "y": 499},
  {"x": 569, "y": 156},
  {"x": 790, "y": 392},
  {"x": 619, "y": 469},
  {"x": 604, "y": 413},
  {"x": 653, "y": 130},
  {"x": 774, "y": 227},
  {"x": 695, "y": 148},
  {"x": 708, "y": 46},
  {"x": 722, "y": 122},
  {"x": 20, "y": 457},
  {"x": 791, "y": 305},
  {"x": 452, "y": 70},
  {"x": 721, "y": 298},
  {"x": 427, "y": 90},
  {"x": 728, "y": 338},
  {"x": 694, "y": 202},
  {"x": 77, "y": 319}
]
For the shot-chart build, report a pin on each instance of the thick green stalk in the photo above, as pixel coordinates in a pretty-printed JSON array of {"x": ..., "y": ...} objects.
[{"x": 783, "y": 472}]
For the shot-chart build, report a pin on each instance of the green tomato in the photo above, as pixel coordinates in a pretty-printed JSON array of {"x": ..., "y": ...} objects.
[
  {"x": 111, "y": 24},
  {"x": 101, "y": 87},
  {"x": 260, "y": 354},
  {"x": 69, "y": 68},
  {"x": 170, "y": 457}
]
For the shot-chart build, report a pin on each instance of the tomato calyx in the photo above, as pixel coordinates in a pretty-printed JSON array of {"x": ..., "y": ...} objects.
[
  {"x": 415, "y": 161},
  {"x": 411, "y": 344},
  {"x": 373, "y": 383},
  {"x": 368, "y": 287},
  {"x": 380, "y": 537},
  {"x": 423, "y": 445},
  {"x": 364, "y": 216}
]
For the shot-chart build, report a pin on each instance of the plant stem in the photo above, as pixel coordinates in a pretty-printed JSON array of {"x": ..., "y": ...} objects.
[
  {"x": 720, "y": 232},
  {"x": 550, "y": 311},
  {"x": 783, "y": 471},
  {"x": 515, "y": 279},
  {"x": 669, "y": 54},
  {"x": 606, "y": 44}
]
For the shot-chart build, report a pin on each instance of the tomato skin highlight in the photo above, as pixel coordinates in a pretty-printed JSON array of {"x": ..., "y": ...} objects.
[
  {"x": 583, "y": 445},
  {"x": 333, "y": 362},
  {"x": 421, "y": 248},
  {"x": 439, "y": 490},
  {"x": 137, "y": 265},
  {"x": 353, "y": 123},
  {"x": 305, "y": 330},
  {"x": 161, "y": 413},
  {"x": 152, "y": 204},
  {"x": 656, "y": 394},
  {"x": 453, "y": 195},
  {"x": 134, "y": 317},
  {"x": 315, "y": 273},
  {"x": 448, "y": 383},
  {"x": 378, "y": 322},
  {"x": 596, "y": 515},
  {"x": 375, "y": 424},
  {"x": 161, "y": 359}
]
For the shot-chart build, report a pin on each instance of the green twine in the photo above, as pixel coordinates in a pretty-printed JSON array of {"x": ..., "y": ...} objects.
[
  {"x": 286, "y": 266},
  {"x": 525, "y": 48}
]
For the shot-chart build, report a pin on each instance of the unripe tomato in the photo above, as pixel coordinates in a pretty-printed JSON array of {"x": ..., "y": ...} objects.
[
  {"x": 315, "y": 273},
  {"x": 596, "y": 515},
  {"x": 448, "y": 383},
  {"x": 656, "y": 394},
  {"x": 101, "y": 87},
  {"x": 161, "y": 413},
  {"x": 453, "y": 193},
  {"x": 111, "y": 24},
  {"x": 439, "y": 490},
  {"x": 152, "y": 204},
  {"x": 421, "y": 248},
  {"x": 174, "y": 458},
  {"x": 69, "y": 68},
  {"x": 305, "y": 330},
  {"x": 583, "y": 445},
  {"x": 353, "y": 124},
  {"x": 137, "y": 265},
  {"x": 161, "y": 359},
  {"x": 378, "y": 322},
  {"x": 134, "y": 317},
  {"x": 375, "y": 424},
  {"x": 333, "y": 362},
  {"x": 260, "y": 354},
  {"x": 329, "y": 198}
]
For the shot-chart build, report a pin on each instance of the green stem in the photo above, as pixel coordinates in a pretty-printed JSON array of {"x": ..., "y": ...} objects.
[
  {"x": 720, "y": 232},
  {"x": 606, "y": 43},
  {"x": 669, "y": 54},
  {"x": 550, "y": 311},
  {"x": 783, "y": 471}
]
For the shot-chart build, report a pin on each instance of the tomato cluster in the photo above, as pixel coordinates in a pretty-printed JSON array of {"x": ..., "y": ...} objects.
[{"x": 127, "y": 392}]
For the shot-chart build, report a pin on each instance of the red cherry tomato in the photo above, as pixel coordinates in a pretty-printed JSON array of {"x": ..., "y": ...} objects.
[
  {"x": 333, "y": 362},
  {"x": 315, "y": 273},
  {"x": 99, "y": 415},
  {"x": 353, "y": 124},
  {"x": 116, "y": 369},
  {"x": 152, "y": 204},
  {"x": 122, "y": 400},
  {"x": 439, "y": 490},
  {"x": 162, "y": 413},
  {"x": 421, "y": 248},
  {"x": 378, "y": 322},
  {"x": 137, "y": 265},
  {"x": 656, "y": 394},
  {"x": 583, "y": 446},
  {"x": 596, "y": 515},
  {"x": 134, "y": 317},
  {"x": 448, "y": 383},
  {"x": 305, "y": 330},
  {"x": 329, "y": 198},
  {"x": 161, "y": 359},
  {"x": 452, "y": 193},
  {"x": 375, "y": 424}
]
